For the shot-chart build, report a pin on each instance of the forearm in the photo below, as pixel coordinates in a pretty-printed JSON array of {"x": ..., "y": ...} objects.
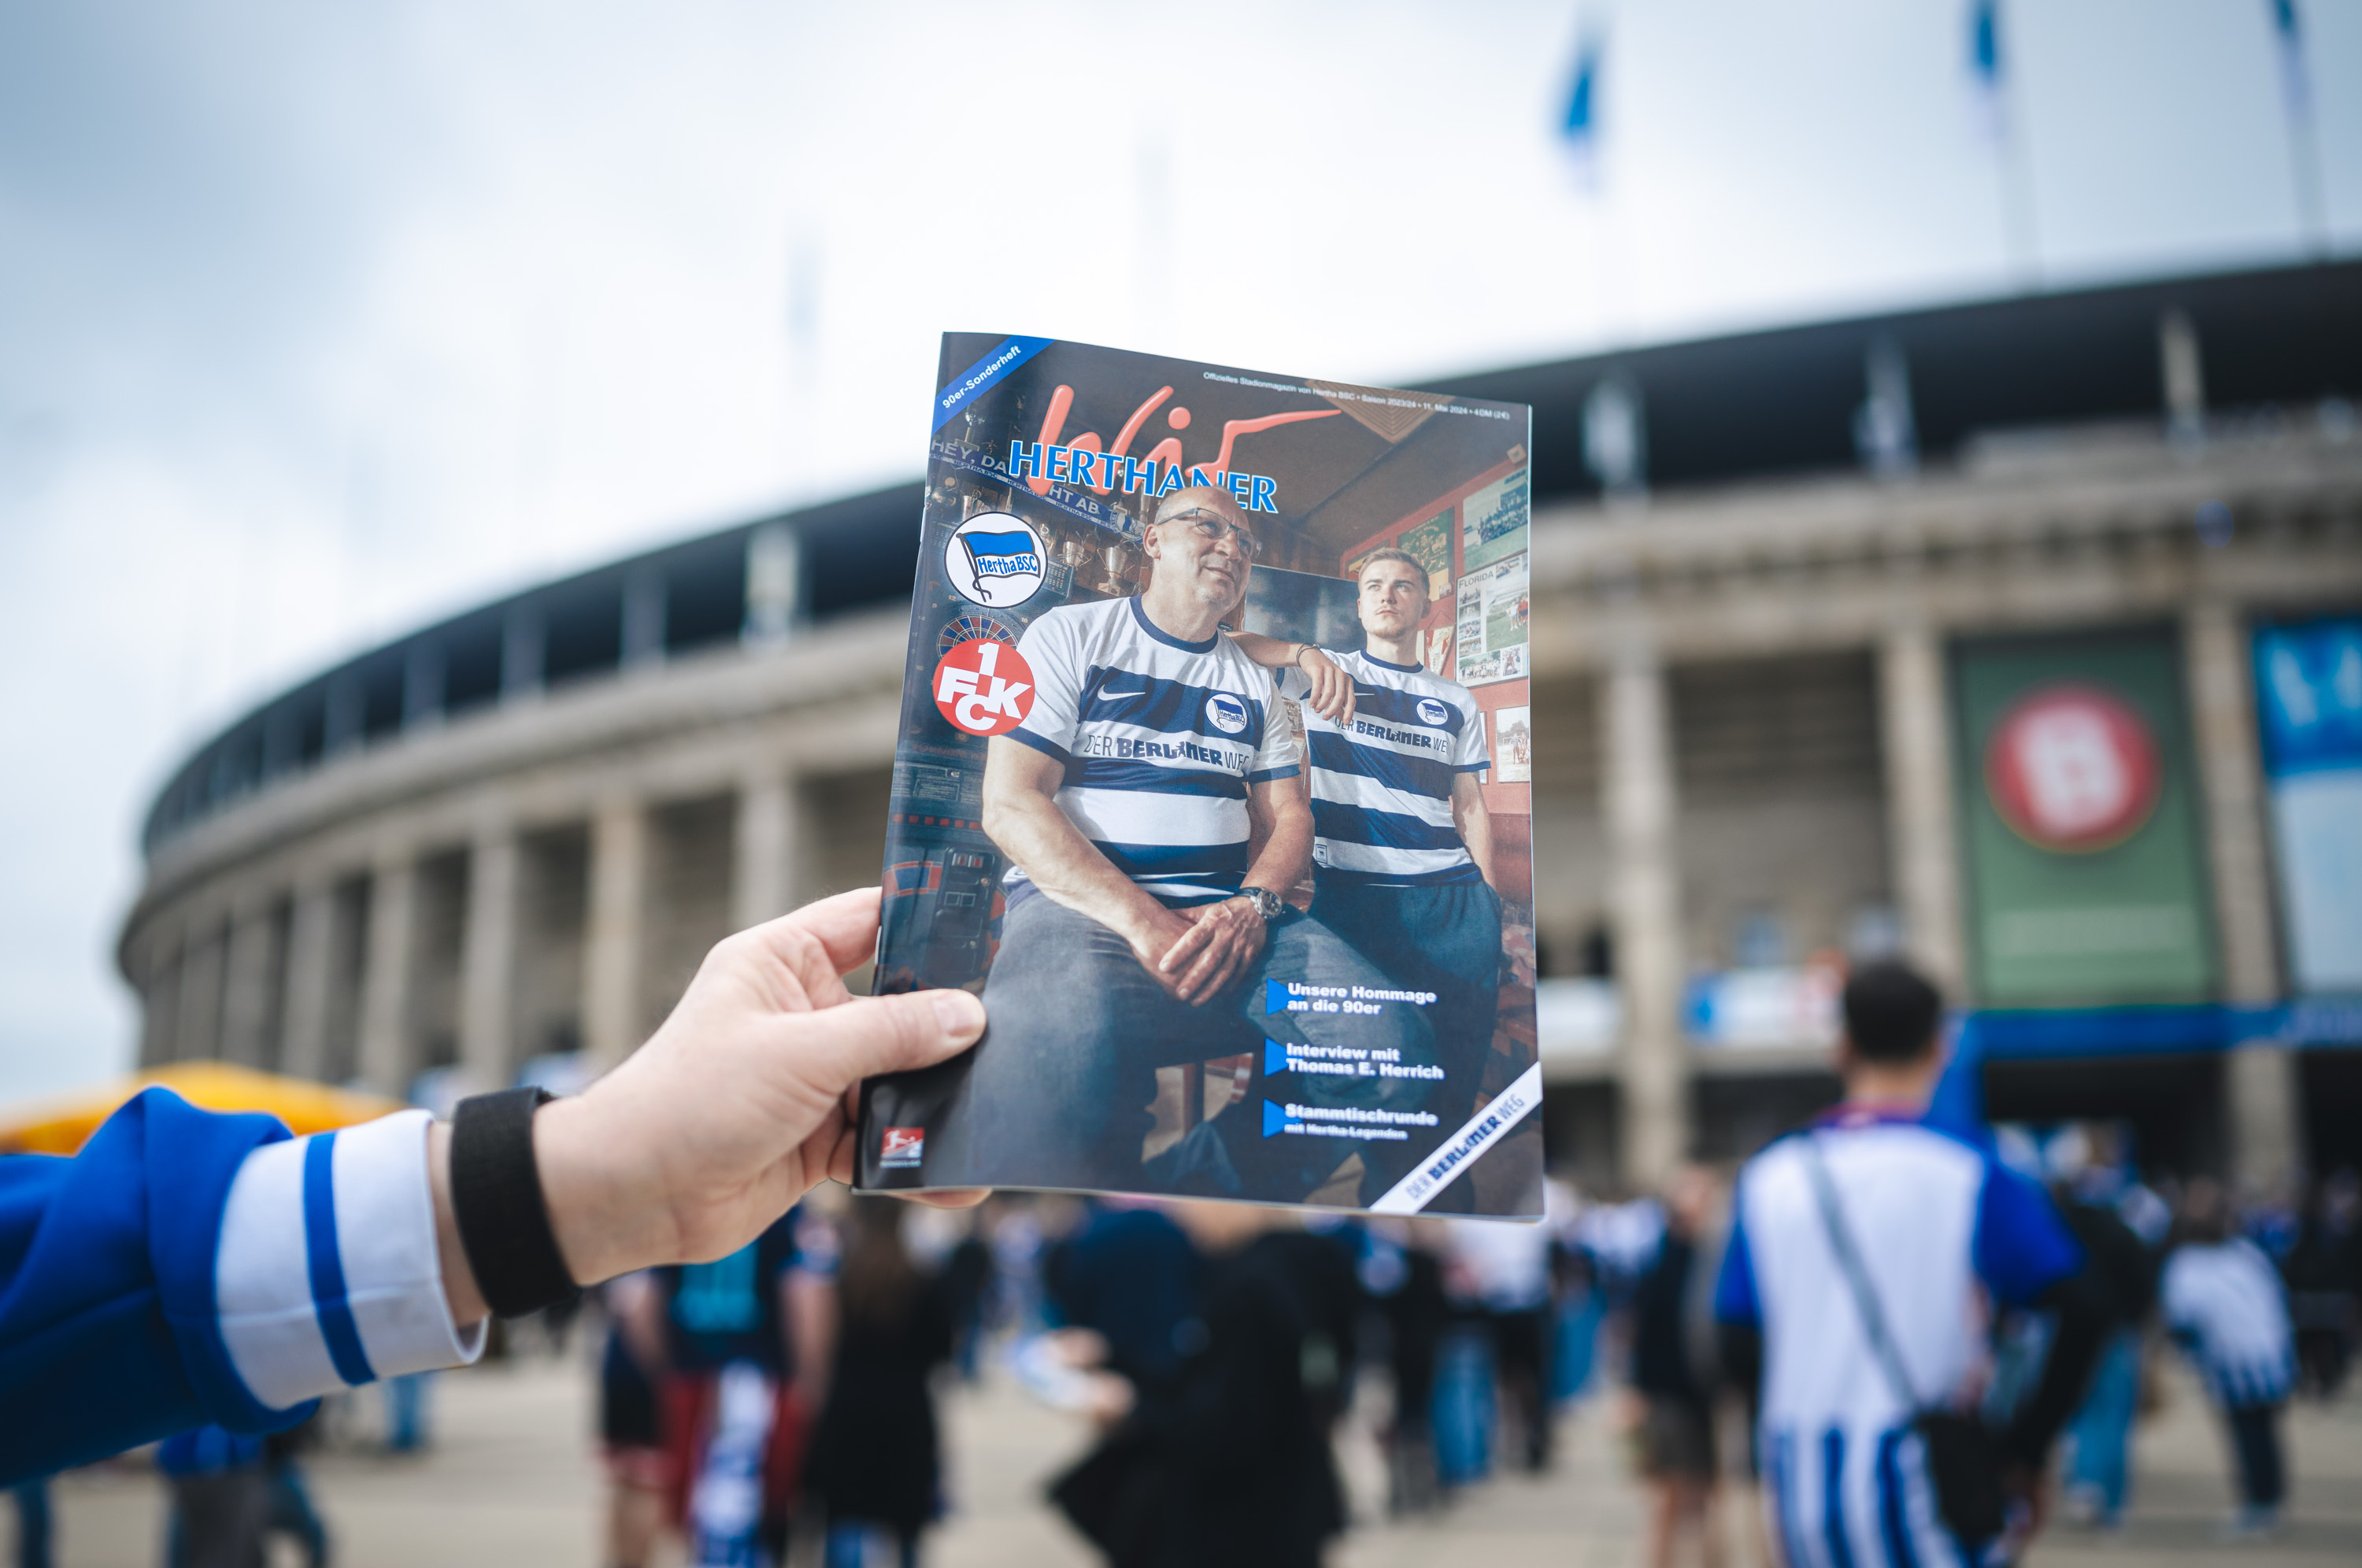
[
  {"x": 1474, "y": 822},
  {"x": 1269, "y": 652},
  {"x": 1046, "y": 845},
  {"x": 1285, "y": 850}
]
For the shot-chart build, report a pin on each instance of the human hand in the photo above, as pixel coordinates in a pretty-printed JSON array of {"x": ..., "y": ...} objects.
[
  {"x": 1152, "y": 935},
  {"x": 1332, "y": 689},
  {"x": 745, "y": 1098},
  {"x": 1221, "y": 939}
]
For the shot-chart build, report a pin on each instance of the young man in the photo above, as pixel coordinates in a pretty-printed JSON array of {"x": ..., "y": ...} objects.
[
  {"x": 1147, "y": 807},
  {"x": 1869, "y": 1213},
  {"x": 1403, "y": 848}
]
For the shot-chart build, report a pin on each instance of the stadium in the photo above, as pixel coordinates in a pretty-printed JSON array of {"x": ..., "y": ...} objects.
[{"x": 1936, "y": 631}]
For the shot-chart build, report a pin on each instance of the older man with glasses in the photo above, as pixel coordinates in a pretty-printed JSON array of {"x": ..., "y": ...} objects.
[{"x": 1147, "y": 806}]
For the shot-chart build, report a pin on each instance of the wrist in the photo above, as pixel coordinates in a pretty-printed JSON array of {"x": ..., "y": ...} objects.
[
  {"x": 603, "y": 1227},
  {"x": 465, "y": 1297}
]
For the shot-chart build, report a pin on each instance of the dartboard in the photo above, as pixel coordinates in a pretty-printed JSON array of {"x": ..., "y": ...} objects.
[{"x": 969, "y": 629}]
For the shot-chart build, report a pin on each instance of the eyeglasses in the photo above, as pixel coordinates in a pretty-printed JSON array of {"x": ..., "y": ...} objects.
[{"x": 1215, "y": 527}]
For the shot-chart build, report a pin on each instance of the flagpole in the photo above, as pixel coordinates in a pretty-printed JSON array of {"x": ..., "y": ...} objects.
[
  {"x": 2304, "y": 134},
  {"x": 1989, "y": 65}
]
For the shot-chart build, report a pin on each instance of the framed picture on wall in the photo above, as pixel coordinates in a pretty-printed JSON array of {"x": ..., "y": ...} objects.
[
  {"x": 1494, "y": 521},
  {"x": 1513, "y": 745},
  {"x": 1430, "y": 541}
]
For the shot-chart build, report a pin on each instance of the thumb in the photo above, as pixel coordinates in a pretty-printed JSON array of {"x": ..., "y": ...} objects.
[{"x": 839, "y": 1046}]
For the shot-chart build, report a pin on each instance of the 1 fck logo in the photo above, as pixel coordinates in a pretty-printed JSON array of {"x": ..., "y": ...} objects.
[{"x": 984, "y": 687}]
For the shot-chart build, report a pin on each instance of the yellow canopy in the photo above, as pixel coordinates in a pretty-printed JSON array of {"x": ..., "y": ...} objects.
[{"x": 61, "y": 1126}]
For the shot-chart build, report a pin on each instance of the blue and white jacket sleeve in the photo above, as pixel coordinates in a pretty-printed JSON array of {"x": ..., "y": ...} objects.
[{"x": 191, "y": 1267}]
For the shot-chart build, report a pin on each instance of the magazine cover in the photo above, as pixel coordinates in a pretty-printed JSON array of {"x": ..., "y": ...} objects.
[{"x": 1214, "y": 783}]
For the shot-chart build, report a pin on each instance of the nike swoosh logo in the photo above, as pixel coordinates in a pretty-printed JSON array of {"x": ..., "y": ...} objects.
[{"x": 1104, "y": 692}]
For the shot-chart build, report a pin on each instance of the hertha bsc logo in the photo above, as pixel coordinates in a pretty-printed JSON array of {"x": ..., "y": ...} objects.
[
  {"x": 1431, "y": 711},
  {"x": 1226, "y": 713},
  {"x": 901, "y": 1147},
  {"x": 995, "y": 557}
]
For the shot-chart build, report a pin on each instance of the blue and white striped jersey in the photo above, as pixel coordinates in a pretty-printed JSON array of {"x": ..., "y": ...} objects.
[
  {"x": 1381, "y": 786},
  {"x": 190, "y": 1268},
  {"x": 1945, "y": 1232},
  {"x": 1160, "y": 739},
  {"x": 2227, "y": 1303}
]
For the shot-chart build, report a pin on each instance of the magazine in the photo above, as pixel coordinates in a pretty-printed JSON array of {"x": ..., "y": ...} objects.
[{"x": 1214, "y": 782}]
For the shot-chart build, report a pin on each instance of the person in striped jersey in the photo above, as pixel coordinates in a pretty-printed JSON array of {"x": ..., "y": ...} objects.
[
  {"x": 1148, "y": 807},
  {"x": 1402, "y": 854}
]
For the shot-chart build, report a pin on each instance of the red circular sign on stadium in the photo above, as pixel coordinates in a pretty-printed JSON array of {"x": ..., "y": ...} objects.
[
  {"x": 2073, "y": 768},
  {"x": 983, "y": 687}
]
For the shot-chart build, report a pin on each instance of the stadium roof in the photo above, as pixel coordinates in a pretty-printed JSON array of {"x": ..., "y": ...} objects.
[{"x": 1716, "y": 410}]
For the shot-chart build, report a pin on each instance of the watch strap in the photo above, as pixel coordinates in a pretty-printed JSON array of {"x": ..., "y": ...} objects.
[{"x": 497, "y": 1202}]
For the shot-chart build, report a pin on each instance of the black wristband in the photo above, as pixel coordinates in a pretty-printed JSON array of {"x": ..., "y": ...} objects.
[{"x": 496, "y": 1200}]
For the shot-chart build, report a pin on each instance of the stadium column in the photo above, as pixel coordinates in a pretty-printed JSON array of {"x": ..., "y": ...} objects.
[
  {"x": 611, "y": 943},
  {"x": 1915, "y": 720},
  {"x": 160, "y": 995},
  {"x": 774, "y": 840},
  {"x": 487, "y": 958},
  {"x": 2261, "y": 1074},
  {"x": 197, "y": 1029},
  {"x": 303, "y": 1044},
  {"x": 245, "y": 986},
  {"x": 1644, "y": 900},
  {"x": 385, "y": 1064}
]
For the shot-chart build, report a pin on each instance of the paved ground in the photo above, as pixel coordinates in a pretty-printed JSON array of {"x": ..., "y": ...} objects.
[{"x": 512, "y": 1483}]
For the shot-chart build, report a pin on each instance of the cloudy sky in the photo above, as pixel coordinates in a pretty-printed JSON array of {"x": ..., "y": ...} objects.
[{"x": 318, "y": 321}]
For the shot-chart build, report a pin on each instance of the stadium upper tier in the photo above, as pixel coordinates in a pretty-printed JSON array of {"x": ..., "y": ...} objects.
[{"x": 1747, "y": 407}]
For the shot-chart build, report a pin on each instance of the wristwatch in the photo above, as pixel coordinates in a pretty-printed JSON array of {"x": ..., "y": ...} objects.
[{"x": 1266, "y": 904}]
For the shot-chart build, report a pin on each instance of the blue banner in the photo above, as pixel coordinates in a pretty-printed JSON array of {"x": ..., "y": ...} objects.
[{"x": 984, "y": 375}]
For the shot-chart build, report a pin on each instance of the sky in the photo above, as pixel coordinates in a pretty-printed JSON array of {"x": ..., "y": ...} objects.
[{"x": 320, "y": 322}]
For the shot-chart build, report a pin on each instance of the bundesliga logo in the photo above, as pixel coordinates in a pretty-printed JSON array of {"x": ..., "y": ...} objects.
[{"x": 901, "y": 1147}]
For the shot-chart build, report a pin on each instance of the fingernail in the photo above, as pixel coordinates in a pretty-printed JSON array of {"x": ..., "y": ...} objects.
[{"x": 960, "y": 1012}]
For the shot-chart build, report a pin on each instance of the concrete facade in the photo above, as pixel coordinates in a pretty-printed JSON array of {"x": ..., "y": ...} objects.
[{"x": 1743, "y": 746}]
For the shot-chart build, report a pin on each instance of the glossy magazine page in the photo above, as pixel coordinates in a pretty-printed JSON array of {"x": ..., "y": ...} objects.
[{"x": 1215, "y": 782}]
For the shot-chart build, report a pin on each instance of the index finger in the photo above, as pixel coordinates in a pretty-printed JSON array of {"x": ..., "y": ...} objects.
[
  {"x": 1188, "y": 941},
  {"x": 846, "y": 926}
]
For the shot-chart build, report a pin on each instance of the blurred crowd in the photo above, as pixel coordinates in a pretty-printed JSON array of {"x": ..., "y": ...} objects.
[{"x": 1212, "y": 1356}]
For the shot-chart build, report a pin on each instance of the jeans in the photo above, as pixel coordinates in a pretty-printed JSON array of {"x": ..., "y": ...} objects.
[
  {"x": 2102, "y": 1427},
  {"x": 1058, "y": 1093},
  {"x": 1443, "y": 939}
]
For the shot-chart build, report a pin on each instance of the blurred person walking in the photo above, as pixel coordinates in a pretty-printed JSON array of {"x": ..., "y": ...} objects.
[
  {"x": 1861, "y": 1250},
  {"x": 221, "y": 1499},
  {"x": 1673, "y": 1374},
  {"x": 1401, "y": 1273},
  {"x": 1234, "y": 1464},
  {"x": 1131, "y": 1275},
  {"x": 2094, "y": 1200},
  {"x": 631, "y": 1429},
  {"x": 876, "y": 1465},
  {"x": 2324, "y": 1281},
  {"x": 747, "y": 1342},
  {"x": 1503, "y": 1273},
  {"x": 35, "y": 1525},
  {"x": 292, "y": 1513},
  {"x": 2225, "y": 1303}
]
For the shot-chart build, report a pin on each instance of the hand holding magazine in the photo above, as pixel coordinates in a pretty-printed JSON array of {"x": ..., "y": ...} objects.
[{"x": 1212, "y": 679}]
